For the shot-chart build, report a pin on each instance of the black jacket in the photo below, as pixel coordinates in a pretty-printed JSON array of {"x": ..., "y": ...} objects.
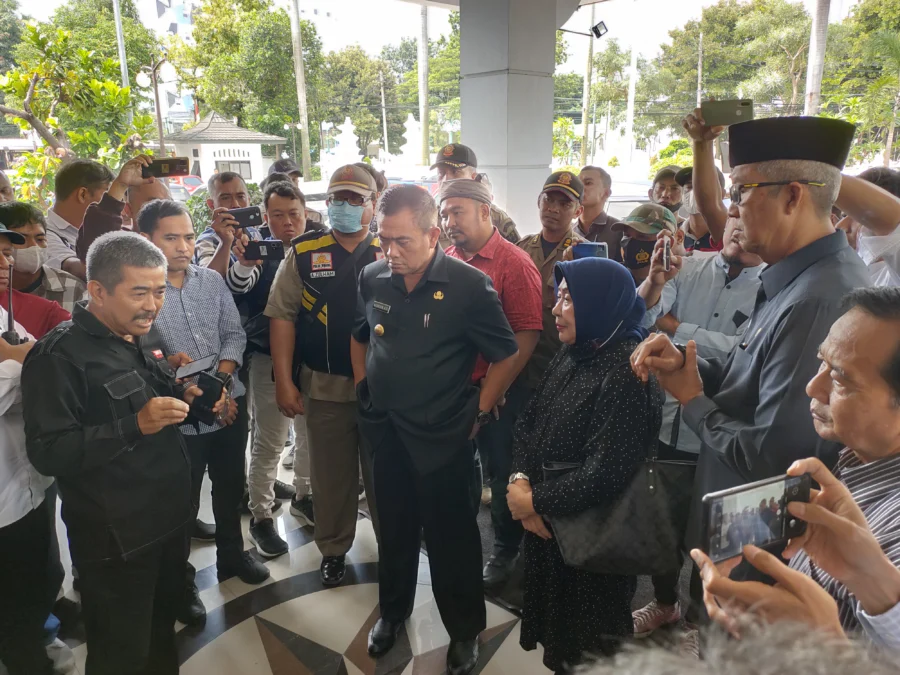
[{"x": 82, "y": 387}]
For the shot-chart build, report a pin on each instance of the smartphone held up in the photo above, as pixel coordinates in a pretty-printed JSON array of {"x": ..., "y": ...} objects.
[{"x": 753, "y": 514}]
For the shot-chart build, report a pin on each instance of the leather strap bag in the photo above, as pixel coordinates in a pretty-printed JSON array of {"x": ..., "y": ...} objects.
[{"x": 641, "y": 531}]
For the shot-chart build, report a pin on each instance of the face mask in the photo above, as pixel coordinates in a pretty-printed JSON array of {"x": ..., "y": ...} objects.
[
  {"x": 30, "y": 260},
  {"x": 636, "y": 253},
  {"x": 346, "y": 218},
  {"x": 689, "y": 205}
]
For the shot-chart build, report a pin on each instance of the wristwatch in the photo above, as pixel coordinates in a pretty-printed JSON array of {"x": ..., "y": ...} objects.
[
  {"x": 484, "y": 418},
  {"x": 227, "y": 380},
  {"x": 518, "y": 476}
]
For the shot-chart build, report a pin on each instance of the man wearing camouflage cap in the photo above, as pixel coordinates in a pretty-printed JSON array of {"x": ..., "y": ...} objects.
[
  {"x": 666, "y": 191},
  {"x": 316, "y": 287},
  {"x": 640, "y": 230},
  {"x": 456, "y": 161}
]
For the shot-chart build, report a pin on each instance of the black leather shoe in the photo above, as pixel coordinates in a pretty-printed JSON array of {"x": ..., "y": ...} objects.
[
  {"x": 498, "y": 570},
  {"x": 382, "y": 637},
  {"x": 462, "y": 657},
  {"x": 203, "y": 531},
  {"x": 244, "y": 566},
  {"x": 192, "y": 612},
  {"x": 333, "y": 570}
]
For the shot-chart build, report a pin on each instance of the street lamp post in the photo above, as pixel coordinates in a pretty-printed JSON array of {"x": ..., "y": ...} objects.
[{"x": 153, "y": 69}]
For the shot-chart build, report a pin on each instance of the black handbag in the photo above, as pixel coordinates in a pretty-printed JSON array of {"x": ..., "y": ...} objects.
[{"x": 641, "y": 532}]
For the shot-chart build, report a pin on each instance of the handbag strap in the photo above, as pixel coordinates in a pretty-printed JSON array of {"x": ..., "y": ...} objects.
[{"x": 346, "y": 269}]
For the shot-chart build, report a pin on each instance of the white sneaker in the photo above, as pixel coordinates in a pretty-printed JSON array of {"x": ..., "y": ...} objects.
[
  {"x": 653, "y": 616},
  {"x": 288, "y": 461}
]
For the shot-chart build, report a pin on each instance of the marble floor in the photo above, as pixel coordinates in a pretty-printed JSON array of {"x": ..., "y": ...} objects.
[{"x": 292, "y": 625}]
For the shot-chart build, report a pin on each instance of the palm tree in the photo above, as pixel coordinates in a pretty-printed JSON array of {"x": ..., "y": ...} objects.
[{"x": 884, "y": 49}]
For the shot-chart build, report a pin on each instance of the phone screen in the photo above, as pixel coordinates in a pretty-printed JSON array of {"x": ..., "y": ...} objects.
[
  {"x": 753, "y": 516},
  {"x": 590, "y": 249},
  {"x": 198, "y": 366}
]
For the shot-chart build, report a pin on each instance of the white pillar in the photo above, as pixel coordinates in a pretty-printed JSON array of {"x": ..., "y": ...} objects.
[{"x": 506, "y": 66}]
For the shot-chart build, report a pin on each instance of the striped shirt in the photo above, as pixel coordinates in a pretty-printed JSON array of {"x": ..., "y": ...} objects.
[
  {"x": 875, "y": 486},
  {"x": 200, "y": 319}
]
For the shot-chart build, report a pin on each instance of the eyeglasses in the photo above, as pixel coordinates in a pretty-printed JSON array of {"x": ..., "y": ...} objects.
[
  {"x": 737, "y": 190},
  {"x": 355, "y": 200}
]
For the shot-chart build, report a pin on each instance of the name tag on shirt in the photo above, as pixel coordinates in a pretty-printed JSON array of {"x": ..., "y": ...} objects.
[
  {"x": 381, "y": 307},
  {"x": 319, "y": 275}
]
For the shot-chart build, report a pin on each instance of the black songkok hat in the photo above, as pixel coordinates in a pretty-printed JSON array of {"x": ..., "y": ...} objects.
[{"x": 815, "y": 139}]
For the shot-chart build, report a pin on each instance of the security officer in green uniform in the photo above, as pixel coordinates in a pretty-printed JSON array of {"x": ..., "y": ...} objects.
[
  {"x": 422, "y": 320},
  {"x": 456, "y": 161},
  {"x": 560, "y": 206},
  {"x": 311, "y": 309}
]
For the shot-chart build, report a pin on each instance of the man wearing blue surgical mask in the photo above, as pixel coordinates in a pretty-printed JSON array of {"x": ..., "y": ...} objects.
[{"x": 311, "y": 309}]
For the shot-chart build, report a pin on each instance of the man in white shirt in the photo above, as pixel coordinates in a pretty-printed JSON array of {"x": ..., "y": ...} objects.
[
  {"x": 870, "y": 203},
  {"x": 25, "y": 531},
  {"x": 79, "y": 183}
]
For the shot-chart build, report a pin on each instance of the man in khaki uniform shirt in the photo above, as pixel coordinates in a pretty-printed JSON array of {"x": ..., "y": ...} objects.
[
  {"x": 311, "y": 307},
  {"x": 560, "y": 205}
]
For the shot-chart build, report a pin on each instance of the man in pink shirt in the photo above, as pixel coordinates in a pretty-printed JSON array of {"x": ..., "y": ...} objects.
[{"x": 465, "y": 211}]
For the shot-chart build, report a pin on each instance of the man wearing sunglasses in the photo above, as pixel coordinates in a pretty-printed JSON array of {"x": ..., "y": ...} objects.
[
  {"x": 311, "y": 309},
  {"x": 750, "y": 410}
]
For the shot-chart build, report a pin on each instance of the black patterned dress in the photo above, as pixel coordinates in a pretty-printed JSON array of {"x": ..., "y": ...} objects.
[{"x": 569, "y": 419}]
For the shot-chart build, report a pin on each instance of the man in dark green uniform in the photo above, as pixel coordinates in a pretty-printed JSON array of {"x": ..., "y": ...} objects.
[
  {"x": 560, "y": 206},
  {"x": 422, "y": 320},
  {"x": 317, "y": 283}
]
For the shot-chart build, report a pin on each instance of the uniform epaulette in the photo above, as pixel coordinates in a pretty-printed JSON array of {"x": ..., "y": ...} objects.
[{"x": 310, "y": 241}]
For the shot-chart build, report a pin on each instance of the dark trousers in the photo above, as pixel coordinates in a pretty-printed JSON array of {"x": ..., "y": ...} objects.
[
  {"x": 222, "y": 452},
  {"x": 440, "y": 504},
  {"x": 25, "y": 600},
  {"x": 129, "y": 609},
  {"x": 665, "y": 586},
  {"x": 495, "y": 444}
]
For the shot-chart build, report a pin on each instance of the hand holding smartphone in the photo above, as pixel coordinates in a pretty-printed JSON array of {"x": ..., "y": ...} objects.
[
  {"x": 725, "y": 113},
  {"x": 753, "y": 514},
  {"x": 667, "y": 255},
  {"x": 166, "y": 167}
]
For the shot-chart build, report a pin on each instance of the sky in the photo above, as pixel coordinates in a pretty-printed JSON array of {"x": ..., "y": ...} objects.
[{"x": 375, "y": 23}]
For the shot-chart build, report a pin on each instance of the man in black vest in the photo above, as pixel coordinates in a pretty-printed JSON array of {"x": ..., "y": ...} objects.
[
  {"x": 251, "y": 281},
  {"x": 317, "y": 282}
]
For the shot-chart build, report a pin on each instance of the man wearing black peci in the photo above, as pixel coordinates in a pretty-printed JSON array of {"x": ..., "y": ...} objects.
[{"x": 422, "y": 320}]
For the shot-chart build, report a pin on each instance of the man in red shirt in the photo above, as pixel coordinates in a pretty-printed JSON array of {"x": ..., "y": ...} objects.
[
  {"x": 466, "y": 219},
  {"x": 36, "y": 315}
]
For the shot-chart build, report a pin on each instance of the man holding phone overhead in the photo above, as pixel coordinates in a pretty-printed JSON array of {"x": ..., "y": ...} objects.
[{"x": 749, "y": 410}]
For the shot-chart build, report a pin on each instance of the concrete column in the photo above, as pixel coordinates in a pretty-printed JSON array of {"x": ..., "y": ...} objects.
[{"x": 506, "y": 89}]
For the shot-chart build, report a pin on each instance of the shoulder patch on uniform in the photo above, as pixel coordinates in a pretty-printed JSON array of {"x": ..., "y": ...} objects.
[
  {"x": 321, "y": 240},
  {"x": 376, "y": 242}
]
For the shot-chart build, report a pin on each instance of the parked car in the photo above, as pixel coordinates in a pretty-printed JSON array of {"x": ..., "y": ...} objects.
[
  {"x": 179, "y": 193},
  {"x": 190, "y": 183}
]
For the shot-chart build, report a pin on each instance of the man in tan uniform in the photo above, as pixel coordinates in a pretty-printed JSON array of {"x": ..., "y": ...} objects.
[
  {"x": 457, "y": 161},
  {"x": 560, "y": 206},
  {"x": 311, "y": 308}
]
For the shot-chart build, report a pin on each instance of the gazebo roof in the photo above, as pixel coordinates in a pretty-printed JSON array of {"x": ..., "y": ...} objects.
[{"x": 214, "y": 128}]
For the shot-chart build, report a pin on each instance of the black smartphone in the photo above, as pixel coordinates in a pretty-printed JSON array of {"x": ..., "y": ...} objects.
[
  {"x": 250, "y": 216},
  {"x": 667, "y": 255},
  {"x": 590, "y": 249},
  {"x": 753, "y": 514},
  {"x": 166, "y": 167},
  {"x": 724, "y": 113},
  {"x": 212, "y": 391},
  {"x": 264, "y": 250},
  {"x": 198, "y": 366}
]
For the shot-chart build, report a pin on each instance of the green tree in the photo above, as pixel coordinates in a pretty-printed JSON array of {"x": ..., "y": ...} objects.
[
  {"x": 884, "y": 48},
  {"x": 564, "y": 140},
  {"x": 776, "y": 40},
  {"x": 93, "y": 27},
  {"x": 402, "y": 58},
  {"x": 679, "y": 152},
  {"x": 350, "y": 86},
  {"x": 72, "y": 100},
  {"x": 567, "y": 92},
  {"x": 10, "y": 32}
]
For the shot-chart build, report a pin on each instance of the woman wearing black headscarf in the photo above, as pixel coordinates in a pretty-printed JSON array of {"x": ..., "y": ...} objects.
[{"x": 574, "y": 417}]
